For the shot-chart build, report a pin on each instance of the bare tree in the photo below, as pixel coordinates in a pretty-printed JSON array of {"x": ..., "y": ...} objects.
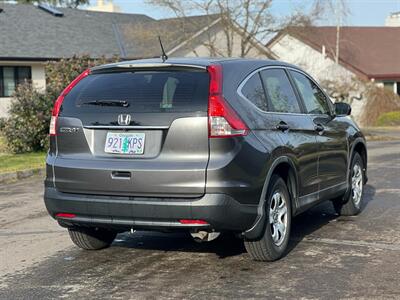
[
  {"x": 340, "y": 11},
  {"x": 243, "y": 23}
]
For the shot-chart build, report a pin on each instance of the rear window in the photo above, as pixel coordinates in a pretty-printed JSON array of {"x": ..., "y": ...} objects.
[{"x": 151, "y": 91}]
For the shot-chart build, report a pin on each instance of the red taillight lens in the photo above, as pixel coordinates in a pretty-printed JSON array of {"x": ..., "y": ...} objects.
[
  {"x": 223, "y": 120},
  {"x": 193, "y": 222},
  {"x": 60, "y": 99},
  {"x": 65, "y": 215}
]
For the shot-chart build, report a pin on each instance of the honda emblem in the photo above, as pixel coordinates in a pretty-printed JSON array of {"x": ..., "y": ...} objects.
[{"x": 124, "y": 119}]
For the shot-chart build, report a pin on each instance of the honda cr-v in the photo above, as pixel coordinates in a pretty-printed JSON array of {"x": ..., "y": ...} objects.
[{"x": 202, "y": 145}]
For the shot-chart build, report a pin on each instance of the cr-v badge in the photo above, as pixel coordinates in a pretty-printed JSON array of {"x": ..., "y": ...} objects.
[
  {"x": 124, "y": 119},
  {"x": 69, "y": 129}
]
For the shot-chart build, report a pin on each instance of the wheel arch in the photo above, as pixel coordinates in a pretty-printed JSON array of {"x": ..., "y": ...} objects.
[
  {"x": 357, "y": 146},
  {"x": 286, "y": 169},
  {"x": 360, "y": 147}
]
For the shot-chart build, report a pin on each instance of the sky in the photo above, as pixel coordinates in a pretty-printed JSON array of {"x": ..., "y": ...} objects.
[{"x": 362, "y": 12}]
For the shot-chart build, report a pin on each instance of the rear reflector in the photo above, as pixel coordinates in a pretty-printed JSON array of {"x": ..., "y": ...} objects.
[
  {"x": 65, "y": 215},
  {"x": 193, "y": 222},
  {"x": 60, "y": 99},
  {"x": 223, "y": 121}
]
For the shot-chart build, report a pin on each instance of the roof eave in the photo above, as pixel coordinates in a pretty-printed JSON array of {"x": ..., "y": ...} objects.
[
  {"x": 393, "y": 76},
  {"x": 44, "y": 59}
]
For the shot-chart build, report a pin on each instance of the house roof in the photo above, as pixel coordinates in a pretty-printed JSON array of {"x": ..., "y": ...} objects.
[
  {"x": 371, "y": 52},
  {"x": 142, "y": 38},
  {"x": 30, "y": 33}
]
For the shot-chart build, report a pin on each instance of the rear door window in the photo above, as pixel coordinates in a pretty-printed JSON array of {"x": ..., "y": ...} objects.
[
  {"x": 279, "y": 91},
  {"x": 144, "y": 92}
]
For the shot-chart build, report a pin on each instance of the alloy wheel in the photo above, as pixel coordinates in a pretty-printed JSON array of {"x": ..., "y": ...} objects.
[
  {"x": 278, "y": 218},
  {"x": 357, "y": 184}
]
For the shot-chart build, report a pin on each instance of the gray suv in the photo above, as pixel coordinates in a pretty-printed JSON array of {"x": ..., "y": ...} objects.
[{"x": 202, "y": 145}]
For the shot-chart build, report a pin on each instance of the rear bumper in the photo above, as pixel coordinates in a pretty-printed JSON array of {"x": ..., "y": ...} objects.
[{"x": 220, "y": 211}]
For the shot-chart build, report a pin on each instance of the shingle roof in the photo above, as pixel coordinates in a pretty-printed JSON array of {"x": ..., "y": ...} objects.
[
  {"x": 369, "y": 51},
  {"x": 28, "y": 32}
]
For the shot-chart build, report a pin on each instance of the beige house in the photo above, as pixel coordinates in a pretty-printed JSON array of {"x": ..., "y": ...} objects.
[{"x": 45, "y": 33}]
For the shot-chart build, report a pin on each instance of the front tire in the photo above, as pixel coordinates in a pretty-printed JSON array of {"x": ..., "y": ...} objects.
[
  {"x": 91, "y": 238},
  {"x": 351, "y": 205},
  {"x": 273, "y": 243}
]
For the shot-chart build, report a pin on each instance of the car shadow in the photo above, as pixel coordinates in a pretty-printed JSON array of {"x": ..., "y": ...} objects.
[
  {"x": 317, "y": 217},
  {"x": 227, "y": 245}
]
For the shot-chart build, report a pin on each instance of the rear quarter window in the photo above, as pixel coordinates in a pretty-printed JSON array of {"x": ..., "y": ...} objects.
[
  {"x": 254, "y": 92},
  {"x": 150, "y": 91}
]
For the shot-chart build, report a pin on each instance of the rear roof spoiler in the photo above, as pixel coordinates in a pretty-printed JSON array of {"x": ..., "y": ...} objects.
[{"x": 139, "y": 66}]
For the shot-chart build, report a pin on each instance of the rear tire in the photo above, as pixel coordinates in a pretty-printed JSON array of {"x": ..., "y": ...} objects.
[
  {"x": 351, "y": 205},
  {"x": 91, "y": 238},
  {"x": 273, "y": 243}
]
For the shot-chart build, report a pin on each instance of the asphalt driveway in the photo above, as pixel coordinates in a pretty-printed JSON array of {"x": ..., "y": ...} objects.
[{"x": 330, "y": 257}]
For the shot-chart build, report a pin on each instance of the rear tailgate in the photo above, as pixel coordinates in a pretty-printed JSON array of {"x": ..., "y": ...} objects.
[{"x": 134, "y": 132}]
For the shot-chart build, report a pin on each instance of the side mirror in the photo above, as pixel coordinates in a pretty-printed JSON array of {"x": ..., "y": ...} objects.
[{"x": 342, "y": 109}]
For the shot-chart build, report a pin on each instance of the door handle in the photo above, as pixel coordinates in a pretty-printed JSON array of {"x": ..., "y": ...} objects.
[
  {"x": 319, "y": 128},
  {"x": 282, "y": 126},
  {"x": 120, "y": 175}
]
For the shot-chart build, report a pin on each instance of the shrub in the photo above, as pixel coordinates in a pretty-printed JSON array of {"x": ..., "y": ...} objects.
[
  {"x": 379, "y": 101},
  {"x": 26, "y": 129},
  {"x": 2, "y": 123},
  {"x": 375, "y": 100},
  {"x": 391, "y": 118},
  {"x": 344, "y": 90}
]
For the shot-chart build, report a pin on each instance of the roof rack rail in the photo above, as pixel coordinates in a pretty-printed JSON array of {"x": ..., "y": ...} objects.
[{"x": 50, "y": 9}]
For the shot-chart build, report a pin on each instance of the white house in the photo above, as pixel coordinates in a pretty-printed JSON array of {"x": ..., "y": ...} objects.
[{"x": 368, "y": 53}]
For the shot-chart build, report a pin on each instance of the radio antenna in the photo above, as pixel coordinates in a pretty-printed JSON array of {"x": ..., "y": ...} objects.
[{"x": 164, "y": 55}]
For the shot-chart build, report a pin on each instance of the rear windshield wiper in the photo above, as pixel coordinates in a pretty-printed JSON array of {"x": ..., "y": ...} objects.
[{"x": 122, "y": 103}]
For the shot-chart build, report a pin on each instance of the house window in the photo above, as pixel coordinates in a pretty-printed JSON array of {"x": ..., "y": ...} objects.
[
  {"x": 10, "y": 77},
  {"x": 389, "y": 86}
]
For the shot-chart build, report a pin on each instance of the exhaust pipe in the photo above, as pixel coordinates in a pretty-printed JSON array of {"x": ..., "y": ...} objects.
[{"x": 204, "y": 236}]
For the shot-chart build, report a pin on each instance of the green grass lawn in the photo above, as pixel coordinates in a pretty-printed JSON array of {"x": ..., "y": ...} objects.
[{"x": 16, "y": 162}]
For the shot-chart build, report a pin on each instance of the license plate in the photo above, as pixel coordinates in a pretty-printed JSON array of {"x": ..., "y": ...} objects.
[{"x": 125, "y": 143}]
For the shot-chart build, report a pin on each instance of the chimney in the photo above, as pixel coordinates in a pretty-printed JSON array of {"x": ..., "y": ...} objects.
[
  {"x": 105, "y": 6},
  {"x": 393, "y": 20}
]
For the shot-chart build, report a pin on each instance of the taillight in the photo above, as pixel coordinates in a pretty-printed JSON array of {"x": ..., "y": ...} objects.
[
  {"x": 60, "y": 99},
  {"x": 223, "y": 121}
]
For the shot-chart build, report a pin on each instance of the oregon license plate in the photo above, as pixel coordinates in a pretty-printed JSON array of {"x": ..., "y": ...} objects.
[{"x": 125, "y": 143}]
